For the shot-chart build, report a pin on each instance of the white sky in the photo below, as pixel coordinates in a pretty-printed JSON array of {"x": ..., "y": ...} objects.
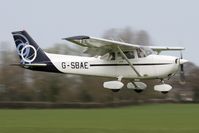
[{"x": 169, "y": 22}]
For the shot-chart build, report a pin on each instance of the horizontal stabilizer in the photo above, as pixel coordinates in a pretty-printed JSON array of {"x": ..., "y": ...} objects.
[{"x": 30, "y": 65}]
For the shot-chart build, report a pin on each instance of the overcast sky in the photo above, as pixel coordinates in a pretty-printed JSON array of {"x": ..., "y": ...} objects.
[{"x": 169, "y": 22}]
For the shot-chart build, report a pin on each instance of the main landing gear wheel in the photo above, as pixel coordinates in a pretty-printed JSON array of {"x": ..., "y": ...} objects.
[
  {"x": 138, "y": 90},
  {"x": 115, "y": 90},
  {"x": 164, "y": 92},
  {"x": 137, "y": 86}
]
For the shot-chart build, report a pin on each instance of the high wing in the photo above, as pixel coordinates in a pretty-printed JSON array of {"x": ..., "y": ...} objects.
[
  {"x": 101, "y": 46},
  {"x": 94, "y": 42}
]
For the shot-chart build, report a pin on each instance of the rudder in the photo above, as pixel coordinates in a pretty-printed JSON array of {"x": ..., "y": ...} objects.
[
  {"x": 27, "y": 49},
  {"x": 31, "y": 55}
]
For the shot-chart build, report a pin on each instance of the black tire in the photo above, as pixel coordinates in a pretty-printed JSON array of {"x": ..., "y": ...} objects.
[
  {"x": 115, "y": 90},
  {"x": 138, "y": 90},
  {"x": 164, "y": 92}
]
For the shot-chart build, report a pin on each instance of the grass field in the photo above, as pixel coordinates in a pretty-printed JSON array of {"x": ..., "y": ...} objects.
[{"x": 159, "y": 118}]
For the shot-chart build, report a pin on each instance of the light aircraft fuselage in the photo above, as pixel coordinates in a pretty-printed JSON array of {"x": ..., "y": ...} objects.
[{"x": 113, "y": 59}]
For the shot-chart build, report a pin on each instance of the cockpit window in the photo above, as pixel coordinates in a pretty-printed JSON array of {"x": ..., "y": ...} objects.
[
  {"x": 129, "y": 54},
  {"x": 144, "y": 52},
  {"x": 148, "y": 51},
  {"x": 140, "y": 53}
]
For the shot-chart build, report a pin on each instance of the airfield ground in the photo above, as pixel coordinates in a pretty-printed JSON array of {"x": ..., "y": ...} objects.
[{"x": 156, "y": 118}]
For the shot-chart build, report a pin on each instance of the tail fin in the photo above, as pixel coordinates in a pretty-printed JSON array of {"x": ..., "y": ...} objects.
[
  {"x": 31, "y": 55},
  {"x": 27, "y": 49}
]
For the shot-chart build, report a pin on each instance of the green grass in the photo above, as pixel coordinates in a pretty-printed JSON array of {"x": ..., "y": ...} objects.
[{"x": 159, "y": 118}]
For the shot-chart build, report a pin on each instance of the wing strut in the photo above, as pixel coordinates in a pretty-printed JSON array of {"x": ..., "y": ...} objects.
[{"x": 124, "y": 56}]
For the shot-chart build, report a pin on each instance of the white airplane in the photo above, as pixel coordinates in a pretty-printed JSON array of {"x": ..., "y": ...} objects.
[{"x": 113, "y": 59}]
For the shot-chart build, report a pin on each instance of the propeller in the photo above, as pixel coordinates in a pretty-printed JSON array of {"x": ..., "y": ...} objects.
[{"x": 181, "y": 63}]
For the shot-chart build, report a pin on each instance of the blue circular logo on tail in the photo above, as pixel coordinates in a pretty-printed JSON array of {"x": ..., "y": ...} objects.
[{"x": 27, "y": 52}]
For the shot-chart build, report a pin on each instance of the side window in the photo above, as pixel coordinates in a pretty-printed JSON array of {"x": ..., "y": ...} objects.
[
  {"x": 140, "y": 53},
  {"x": 129, "y": 54},
  {"x": 119, "y": 56},
  {"x": 112, "y": 56}
]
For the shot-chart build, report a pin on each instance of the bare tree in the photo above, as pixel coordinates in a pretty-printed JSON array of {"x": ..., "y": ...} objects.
[
  {"x": 142, "y": 38},
  {"x": 128, "y": 35}
]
